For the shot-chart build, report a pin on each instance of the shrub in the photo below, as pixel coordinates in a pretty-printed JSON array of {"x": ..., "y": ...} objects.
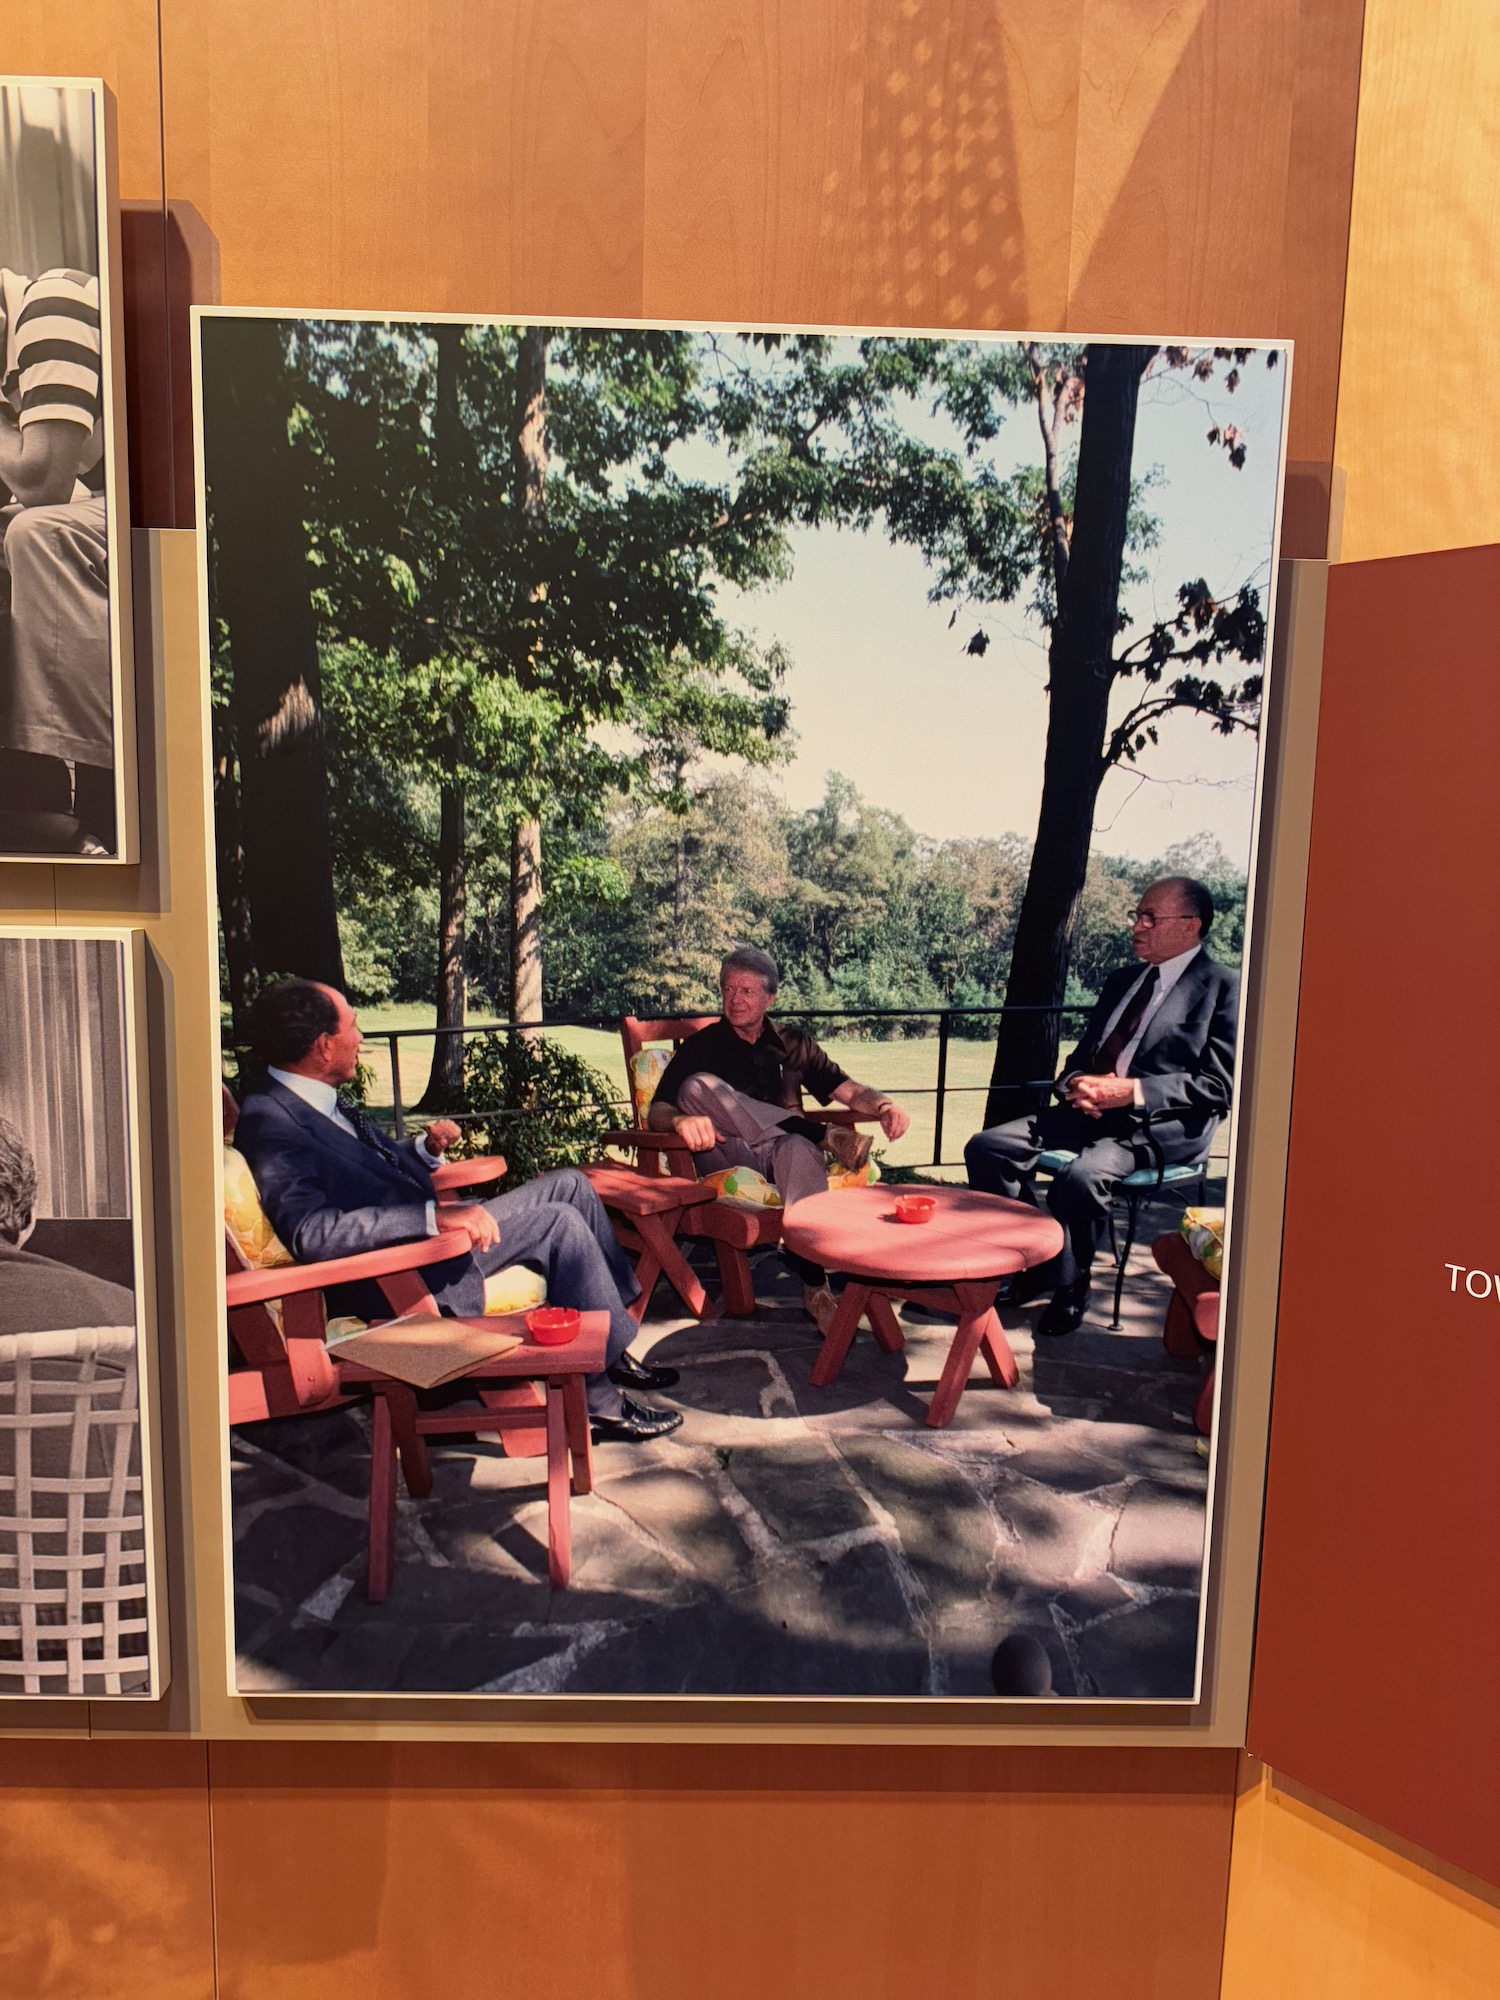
[{"x": 539, "y": 1105}]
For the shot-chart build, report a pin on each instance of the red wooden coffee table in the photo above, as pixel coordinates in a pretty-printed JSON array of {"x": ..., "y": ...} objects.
[
  {"x": 400, "y": 1425},
  {"x": 955, "y": 1262}
]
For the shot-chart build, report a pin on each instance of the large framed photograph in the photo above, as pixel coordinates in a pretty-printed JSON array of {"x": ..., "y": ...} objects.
[
  {"x": 67, "y": 776},
  {"x": 735, "y": 865},
  {"x": 80, "y": 1609}
]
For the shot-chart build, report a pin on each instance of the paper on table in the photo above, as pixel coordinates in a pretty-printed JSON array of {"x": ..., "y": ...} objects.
[{"x": 424, "y": 1349}]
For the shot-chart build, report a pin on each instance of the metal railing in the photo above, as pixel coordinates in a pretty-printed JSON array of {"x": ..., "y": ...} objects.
[{"x": 940, "y": 1090}]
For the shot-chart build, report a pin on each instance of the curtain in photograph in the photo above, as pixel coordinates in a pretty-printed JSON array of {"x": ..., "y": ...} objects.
[
  {"x": 62, "y": 1069},
  {"x": 47, "y": 180}
]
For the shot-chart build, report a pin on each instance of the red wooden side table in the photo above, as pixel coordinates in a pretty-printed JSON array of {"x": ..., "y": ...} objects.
[{"x": 955, "y": 1262}]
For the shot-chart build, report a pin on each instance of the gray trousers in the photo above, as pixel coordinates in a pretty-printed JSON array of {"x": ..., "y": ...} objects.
[
  {"x": 55, "y": 696},
  {"x": 556, "y": 1224},
  {"x": 752, "y": 1134}
]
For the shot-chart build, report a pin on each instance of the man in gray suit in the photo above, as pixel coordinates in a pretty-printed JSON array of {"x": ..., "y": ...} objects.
[
  {"x": 1158, "y": 1047},
  {"x": 333, "y": 1184}
]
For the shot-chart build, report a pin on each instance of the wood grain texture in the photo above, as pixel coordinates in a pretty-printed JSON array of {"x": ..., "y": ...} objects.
[
  {"x": 1318, "y": 1911},
  {"x": 448, "y": 155},
  {"x": 855, "y": 1875},
  {"x": 115, "y": 39},
  {"x": 105, "y": 1859},
  {"x": 1423, "y": 301},
  {"x": 858, "y": 161}
]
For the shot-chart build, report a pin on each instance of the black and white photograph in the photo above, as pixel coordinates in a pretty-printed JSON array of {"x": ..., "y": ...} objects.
[
  {"x": 77, "y": 1573},
  {"x": 62, "y": 537},
  {"x": 735, "y": 863}
]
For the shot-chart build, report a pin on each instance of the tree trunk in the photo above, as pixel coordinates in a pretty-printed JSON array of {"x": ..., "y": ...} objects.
[
  {"x": 259, "y": 587},
  {"x": 526, "y": 920},
  {"x": 529, "y": 453},
  {"x": 445, "y": 1079},
  {"x": 229, "y": 864},
  {"x": 1080, "y": 660}
]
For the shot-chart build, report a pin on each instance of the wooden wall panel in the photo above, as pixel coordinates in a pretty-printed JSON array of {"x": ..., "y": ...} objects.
[
  {"x": 104, "y": 1858},
  {"x": 447, "y": 155},
  {"x": 1419, "y": 397},
  {"x": 115, "y": 39},
  {"x": 1318, "y": 1910},
  {"x": 1121, "y": 165},
  {"x": 375, "y": 1873},
  {"x": 884, "y": 162}
]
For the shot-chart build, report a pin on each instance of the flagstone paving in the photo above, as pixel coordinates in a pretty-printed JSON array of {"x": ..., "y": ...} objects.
[{"x": 786, "y": 1540}]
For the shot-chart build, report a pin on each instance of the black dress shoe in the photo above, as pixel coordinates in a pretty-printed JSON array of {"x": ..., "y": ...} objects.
[
  {"x": 1065, "y": 1309},
  {"x": 636, "y": 1422},
  {"x": 632, "y": 1374}
]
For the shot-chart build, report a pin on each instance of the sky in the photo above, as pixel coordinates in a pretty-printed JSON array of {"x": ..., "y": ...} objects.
[{"x": 883, "y": 691}]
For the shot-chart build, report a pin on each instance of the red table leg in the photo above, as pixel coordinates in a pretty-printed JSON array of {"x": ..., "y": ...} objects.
[
  {"x": 576, "y": 1412},
  {"x": 978, "y": 1326},
  {"x": 559, "y": 1522},
  {"x": 402, "y": 1412},
  {"x": 381, "y": 1553},
  {"x": 884, "y": 1324},
  {"x": 840, "y": 1335}
]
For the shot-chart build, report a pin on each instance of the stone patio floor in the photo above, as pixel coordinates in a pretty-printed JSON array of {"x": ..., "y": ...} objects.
[{"x": 786, "y": 1540}]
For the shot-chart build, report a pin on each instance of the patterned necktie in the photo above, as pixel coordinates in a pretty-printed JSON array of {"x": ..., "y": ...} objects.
[
  {"x": 366, "y": 1130},
  {"x": 1128, "y": 1026}
]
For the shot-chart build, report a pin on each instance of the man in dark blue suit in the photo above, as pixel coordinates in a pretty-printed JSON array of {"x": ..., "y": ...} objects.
[
  {"x": 333, "y": 1185},
  {"x": 1159, "y": 1045}
]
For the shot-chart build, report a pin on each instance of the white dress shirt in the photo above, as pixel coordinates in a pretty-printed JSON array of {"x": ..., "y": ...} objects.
[
  {"x": 1168, "y": 974},
  {"x": 325, "y": 1099}
]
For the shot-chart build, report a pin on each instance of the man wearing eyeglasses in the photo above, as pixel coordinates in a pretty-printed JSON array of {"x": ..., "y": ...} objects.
[{"x": 1158, "y": 1048}]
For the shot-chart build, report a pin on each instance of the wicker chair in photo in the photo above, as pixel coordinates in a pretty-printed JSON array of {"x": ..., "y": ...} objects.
[{"x": 73, "y": 1609}]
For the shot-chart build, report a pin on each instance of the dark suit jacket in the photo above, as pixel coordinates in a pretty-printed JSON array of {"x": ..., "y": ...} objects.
[
  {"x": 39, "y": 1295},
  {"x": 328, "y": 1194},
  {"x": 1185, "y": 1062}
]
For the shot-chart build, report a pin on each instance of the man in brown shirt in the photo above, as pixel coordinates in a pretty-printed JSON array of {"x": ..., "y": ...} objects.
[{"x": 733, "y": 1091}]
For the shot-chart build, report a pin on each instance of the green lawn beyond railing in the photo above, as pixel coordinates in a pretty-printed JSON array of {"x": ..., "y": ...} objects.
[{"x": 906, "y": 1067}]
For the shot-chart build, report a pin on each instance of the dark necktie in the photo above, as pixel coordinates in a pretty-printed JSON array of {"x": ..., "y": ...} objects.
[
  {"x": 367, "y": 1131},
  {"x": 1126, "y": 1028}
]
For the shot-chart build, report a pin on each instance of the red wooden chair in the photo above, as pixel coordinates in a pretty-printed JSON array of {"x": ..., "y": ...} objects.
[
  {"x": 1191, "y": 1327},
  {"x": 287, "y": 1370},
  {"x": 662, "y": 1156}
]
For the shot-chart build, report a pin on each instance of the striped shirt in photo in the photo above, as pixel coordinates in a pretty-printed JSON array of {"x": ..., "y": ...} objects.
[{"x": 52, "y": 355}]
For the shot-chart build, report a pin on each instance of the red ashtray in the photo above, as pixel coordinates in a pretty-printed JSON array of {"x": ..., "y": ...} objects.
[
  {"x": 553, "y": 1326},
  {"x": 915, "y": 1207}
]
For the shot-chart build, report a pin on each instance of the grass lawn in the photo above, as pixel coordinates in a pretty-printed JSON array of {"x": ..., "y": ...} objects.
[{"x": 906, "y": 1069}]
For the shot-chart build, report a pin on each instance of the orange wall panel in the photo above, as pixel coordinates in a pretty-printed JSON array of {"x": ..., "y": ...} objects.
[
  {"x": 440, "y": 155},
  {"x": 115, "y": 39},
  {"x": 104, "y": 1858},
  {"x": 1318, "y": 1910},
  {"x": 376, "y": 1873}
]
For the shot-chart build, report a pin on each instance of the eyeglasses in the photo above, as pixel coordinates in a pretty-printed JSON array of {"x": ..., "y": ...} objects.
[{"x": 1148, "y": 919}]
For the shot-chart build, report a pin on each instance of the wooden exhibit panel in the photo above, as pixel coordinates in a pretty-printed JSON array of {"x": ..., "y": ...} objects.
[
  {"x": 380, "y": 1871},
  {"x": 1320, "y": 1910},
  {"x": 113, "y": 39},
  {"x": 1379, "y": 1621},
  {"x": 104, "y": 1853},
  {"x": 447, "y": 156},
  {"x": 1421, "y": 305},
  {"x": 918, "y": 162}
]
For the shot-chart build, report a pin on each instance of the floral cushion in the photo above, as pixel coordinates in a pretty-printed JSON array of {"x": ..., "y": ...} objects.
[
  {"x": 743, "y": 1187},
  {"x": 246, "y": 1222},
  {"x": 1203, "y": 1232},
  {"x": 647, "y": 1068}
]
